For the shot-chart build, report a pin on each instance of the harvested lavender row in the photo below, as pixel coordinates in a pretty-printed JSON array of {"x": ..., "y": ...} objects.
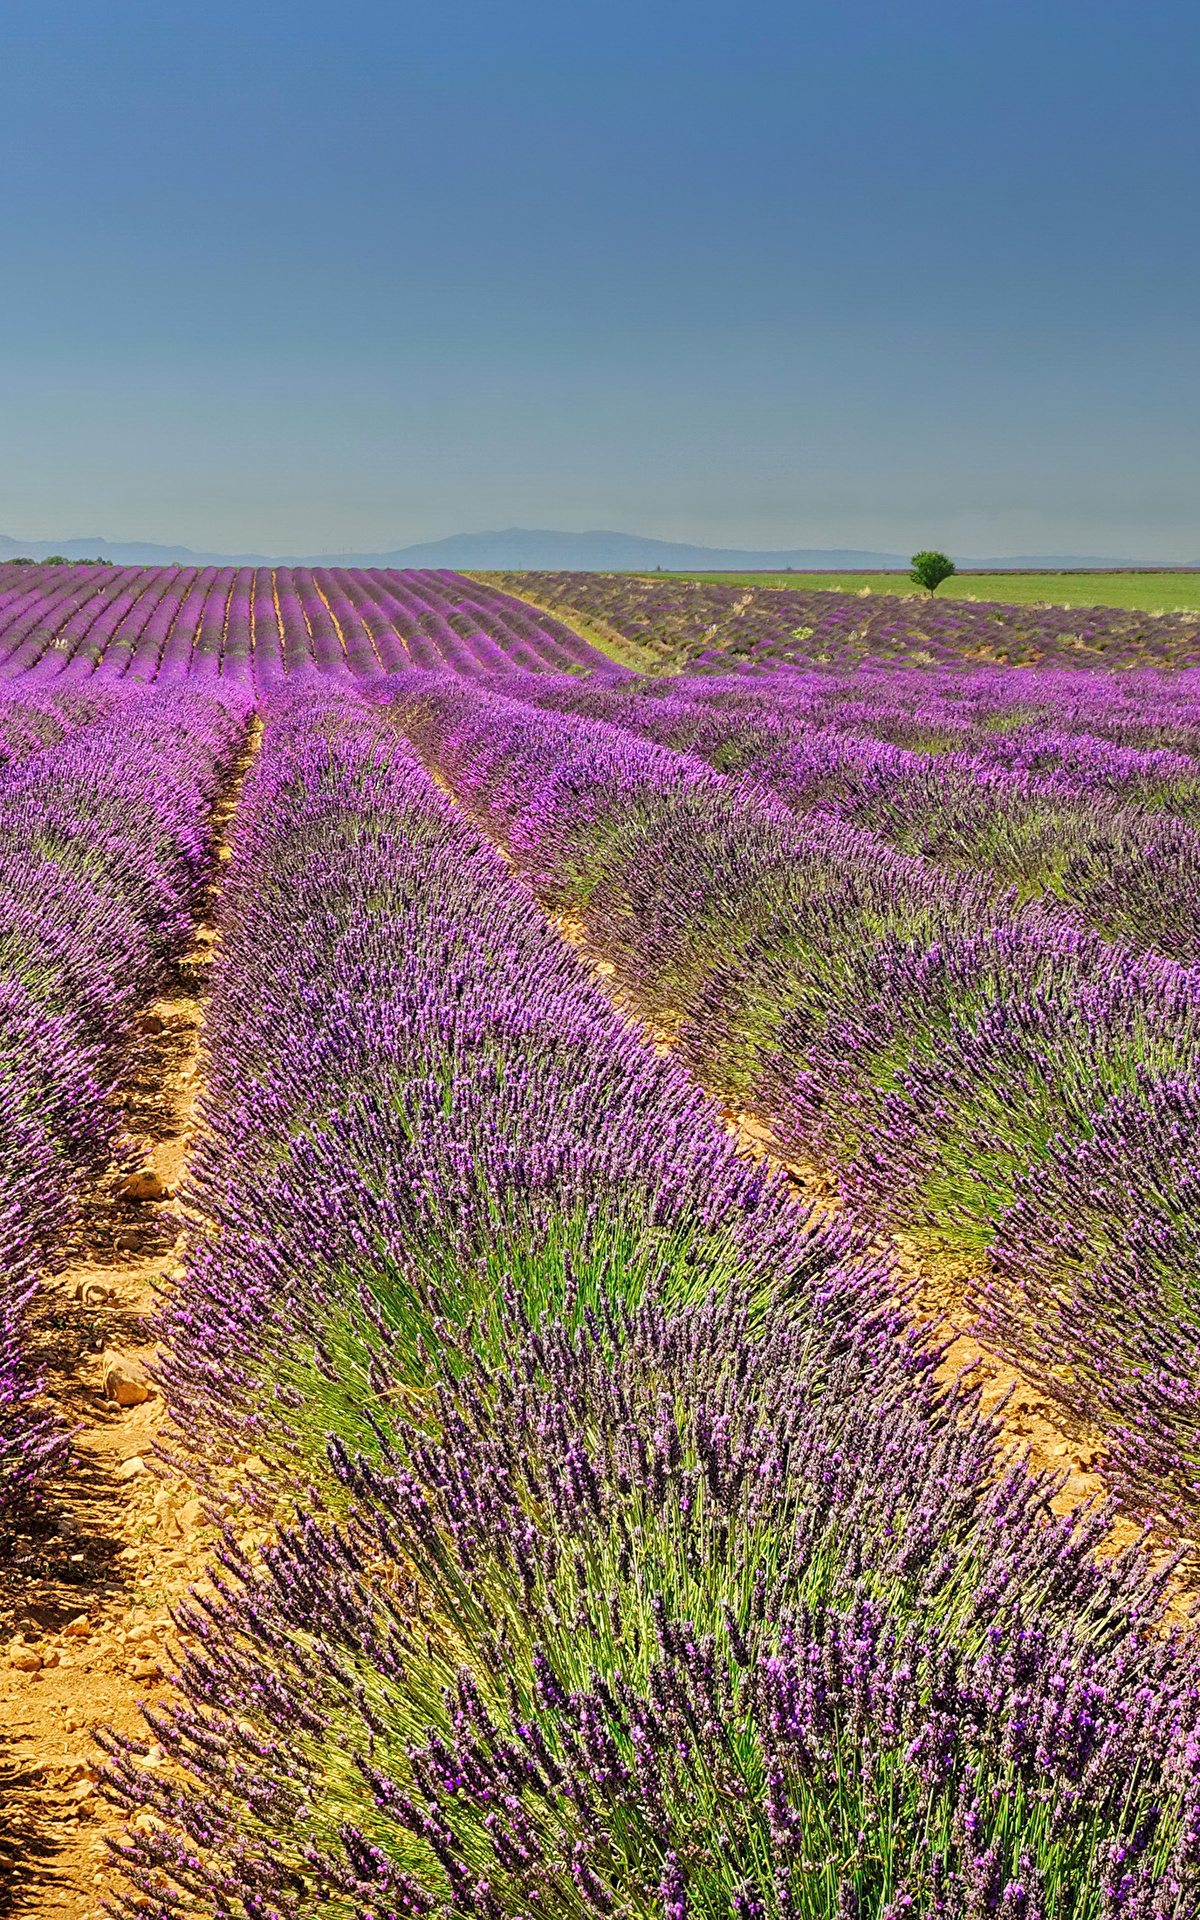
[
  {"x": 102, "y": 845},
  {"x": 936, "y": 1048},
  {"x": 664, "y": 1579}
]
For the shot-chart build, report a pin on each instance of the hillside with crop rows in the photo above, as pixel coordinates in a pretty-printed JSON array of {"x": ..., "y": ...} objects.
[
  {"x": 680, "y": 626},
  {"x": 600, "y": 1310}
]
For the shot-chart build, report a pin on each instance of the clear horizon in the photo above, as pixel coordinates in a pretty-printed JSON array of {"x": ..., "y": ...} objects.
[{"x": 285, "y": 280}]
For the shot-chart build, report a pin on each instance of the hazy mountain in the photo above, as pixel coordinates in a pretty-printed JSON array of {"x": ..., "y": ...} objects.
[
  {"x": 1088, "y": 562},
  {"x": 540, "y": 549},
  {"x": 517, "y": 547},
  {"x": 127, "y": 553}
]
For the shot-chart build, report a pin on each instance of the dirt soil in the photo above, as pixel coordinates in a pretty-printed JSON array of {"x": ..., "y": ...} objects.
[{"x": 87, "y": 1588}]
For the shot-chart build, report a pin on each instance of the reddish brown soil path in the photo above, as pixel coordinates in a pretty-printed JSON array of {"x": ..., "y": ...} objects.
[{"x": 85, "y": 1598}]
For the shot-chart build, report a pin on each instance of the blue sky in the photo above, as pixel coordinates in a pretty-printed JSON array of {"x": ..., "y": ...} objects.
[{"x": 304, "y": 277}]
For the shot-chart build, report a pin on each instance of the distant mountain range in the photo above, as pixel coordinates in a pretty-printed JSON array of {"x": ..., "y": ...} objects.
[{"x": 537, "y": 550}]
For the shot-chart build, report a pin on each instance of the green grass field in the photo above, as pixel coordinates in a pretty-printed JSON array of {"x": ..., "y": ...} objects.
[{"x": 1149, "y": 592}]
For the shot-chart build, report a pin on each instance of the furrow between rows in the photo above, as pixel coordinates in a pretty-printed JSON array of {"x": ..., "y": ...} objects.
[{"x": 96, "y": 1549}]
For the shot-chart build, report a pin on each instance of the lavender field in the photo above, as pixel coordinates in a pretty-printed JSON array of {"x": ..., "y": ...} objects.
[
  {"x": 593, "y": 1523},
  {"x": 258, "y": 625},
  {"x": 683, "y": 626}
]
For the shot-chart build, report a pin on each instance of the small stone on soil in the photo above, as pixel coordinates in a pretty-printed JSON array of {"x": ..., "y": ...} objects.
[
  {"x": 144, "y": 1184},
  {"x": 125, "y": 1380}
]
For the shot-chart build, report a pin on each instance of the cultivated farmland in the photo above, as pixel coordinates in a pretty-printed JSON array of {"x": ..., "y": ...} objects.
[
  {"x": 679, "y": 626},
  {"x": 601, "y": 1299}
]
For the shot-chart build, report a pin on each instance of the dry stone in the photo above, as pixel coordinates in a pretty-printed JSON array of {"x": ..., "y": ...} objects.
[
  {"x": 146, "y": 1183},
  {"x": 125, "y": 1380}
]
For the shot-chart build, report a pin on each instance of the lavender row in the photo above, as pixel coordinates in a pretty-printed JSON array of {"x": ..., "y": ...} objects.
[
  {"x": 262, "y": 624},
  {"x": 687, "y": 626},
  {"x": 663, "y": 1613},
  {"x": 941, "y": 1051},
  {"x": 1108, "y": 830},
  {"x": 493, "y": 1092},
  {"x": 644, "y": 1569},
  {"x": 967, "y": 709},
  {"x": 102, "y": 845},
  {"x": 31, "y": 722},
  {"x": 1134, "y": 738},
  {"x": 1098, "y": 1253}
]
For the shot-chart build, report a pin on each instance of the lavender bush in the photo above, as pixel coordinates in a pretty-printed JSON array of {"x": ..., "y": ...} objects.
[
  {"x": 103, "y": 841},
  {"x": 937, "y": 1047},
  {"x": 673, "y": 1611},
  {"x": 1104, "y": 829},
  {"x": 690, "y": 626},
  {"x": 447, "y": 1053},
  {"x": 628, "y": 1557},
  {"x": 632, "y": 1561},
  {"x": 31, "y": 721},
  {"x": 262, "y": 624}
]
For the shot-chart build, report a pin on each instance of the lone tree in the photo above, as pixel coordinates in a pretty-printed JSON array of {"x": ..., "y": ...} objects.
[{"x": 930, "y": 569}]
